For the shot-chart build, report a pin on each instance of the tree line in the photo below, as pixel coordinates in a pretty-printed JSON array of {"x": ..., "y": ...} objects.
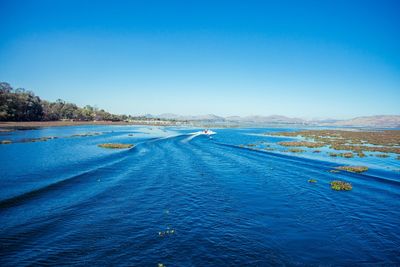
[{"x": 23, "y": 105}]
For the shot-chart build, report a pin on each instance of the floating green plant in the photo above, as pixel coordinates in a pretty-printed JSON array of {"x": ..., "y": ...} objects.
[
  {"x": 40, "y": 139},
  {"x": 340, "y": 185},
  {"x": 85, "y": 134},
  {"x": 382, "y": 155},
  {"x": 301, "y": 144},
  {"x": 384, "y": 141},
  {"x": 361, "y": 154},
  {"x": 296, "y": 150},
  {"x": 357, "y": 169},
  {"x": 347, "y": 155},
  {"x": 312, "y": 181},
  {"x": 268, "y": 149},
  {"x": 343, "y": 155},
  {"x": 116, "y": 146},
  {"x": 167, "y": 232}
]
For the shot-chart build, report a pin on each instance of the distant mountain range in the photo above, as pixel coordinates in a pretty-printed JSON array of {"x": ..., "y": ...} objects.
[
  {"x": 266, "y": 119},
  {"x": 389, "y": 121}
]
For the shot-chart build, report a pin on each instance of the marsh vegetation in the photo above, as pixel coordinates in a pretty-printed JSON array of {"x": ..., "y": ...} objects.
[
  {"x": 296, "y": 150},
  {"x": 341, "y": 186},
  {"x": 357, "y": 141},
  {"x": 356, "y": 169},
  {"x": 343, "y": 155},
  {"x": 46, "y": 138},
  {"x": 115, "y": 145},
  {"x": 301, "y": 144},
  {"x": 382, "y": 155}
]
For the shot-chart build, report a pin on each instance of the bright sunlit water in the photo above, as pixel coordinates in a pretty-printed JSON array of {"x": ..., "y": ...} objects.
[{"x": 181, "y": 200}]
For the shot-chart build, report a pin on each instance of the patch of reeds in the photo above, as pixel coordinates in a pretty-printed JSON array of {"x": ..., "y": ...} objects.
[
  {"x": 341, "y": 186},
  {"x": 356, "y": 169},
  {"x": 115, "y": 146}
]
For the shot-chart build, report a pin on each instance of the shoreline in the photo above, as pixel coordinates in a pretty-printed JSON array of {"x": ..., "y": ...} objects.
[
  {"x": 38, "y": 124},
  {"x": 7, "y": 125}
]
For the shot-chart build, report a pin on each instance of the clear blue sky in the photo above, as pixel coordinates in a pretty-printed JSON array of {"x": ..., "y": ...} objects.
[{"x": 296, "y": 58}]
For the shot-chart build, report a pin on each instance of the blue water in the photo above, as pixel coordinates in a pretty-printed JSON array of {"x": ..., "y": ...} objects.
[{"x": 181, "y": 200}]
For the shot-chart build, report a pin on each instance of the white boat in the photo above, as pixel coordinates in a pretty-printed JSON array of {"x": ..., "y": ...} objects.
[
  {"x": 204, "y": 132},
  {"x": 208, "y": 132}
]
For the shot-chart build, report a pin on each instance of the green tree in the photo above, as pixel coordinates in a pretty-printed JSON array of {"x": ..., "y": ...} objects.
[{"x": 22, "y": 105}]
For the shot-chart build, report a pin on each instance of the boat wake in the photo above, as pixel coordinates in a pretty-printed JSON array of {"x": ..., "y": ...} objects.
[
  {"x": 243, "y": 199},
  {"x": 208, "y": 133}
]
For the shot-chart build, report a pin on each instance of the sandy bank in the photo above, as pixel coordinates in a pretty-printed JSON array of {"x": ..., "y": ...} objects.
[{"x": 34, "y": 124}]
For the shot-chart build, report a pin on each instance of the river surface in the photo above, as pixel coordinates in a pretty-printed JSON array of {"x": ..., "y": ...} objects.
[{"x": 179, "y": 199}]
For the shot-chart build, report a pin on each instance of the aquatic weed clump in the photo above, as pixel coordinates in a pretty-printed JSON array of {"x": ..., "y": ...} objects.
[
  {"x": 38, "y": 139},
  {"x": 85, "y": 134},
  {"x": 268, "y": 149},
  {"x": 361, "y": 154},
  {"x": 343, "y": 155},
  {"x": 115, "y": 145},
  {"x": 357, "y": 169},
  {"x": 384, "y": 141},
  {"x": 166, "y": 232},
  {"x": 301, "y": 144},
  {"x": 347, "y": 155},
  {"x": 312, "y": 181},
  {"x": 296, "y": 150},
  {"x": 341, "y": 186},
  {"x": 382, "y": 155}
]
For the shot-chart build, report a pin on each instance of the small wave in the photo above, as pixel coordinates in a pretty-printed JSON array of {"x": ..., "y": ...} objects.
[
  {"x": 193, "y": 135},
  {"x": 316, "y": 164},
  {"x": 26, "y": 196}
]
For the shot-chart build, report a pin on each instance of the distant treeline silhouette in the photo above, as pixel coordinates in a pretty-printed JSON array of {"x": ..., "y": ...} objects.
[{"x": 23, "y": 105}]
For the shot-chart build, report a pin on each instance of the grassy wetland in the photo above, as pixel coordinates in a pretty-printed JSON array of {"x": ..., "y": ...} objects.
[
  {"x": 46, "y": 138},
  {"x": 348, "y": 144},
  {"x": 350, "y": 148},
  {"x": 387, "y": 141},
  {"x": 115, "y": 146},
  {"x": 356, "y": 169}
]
